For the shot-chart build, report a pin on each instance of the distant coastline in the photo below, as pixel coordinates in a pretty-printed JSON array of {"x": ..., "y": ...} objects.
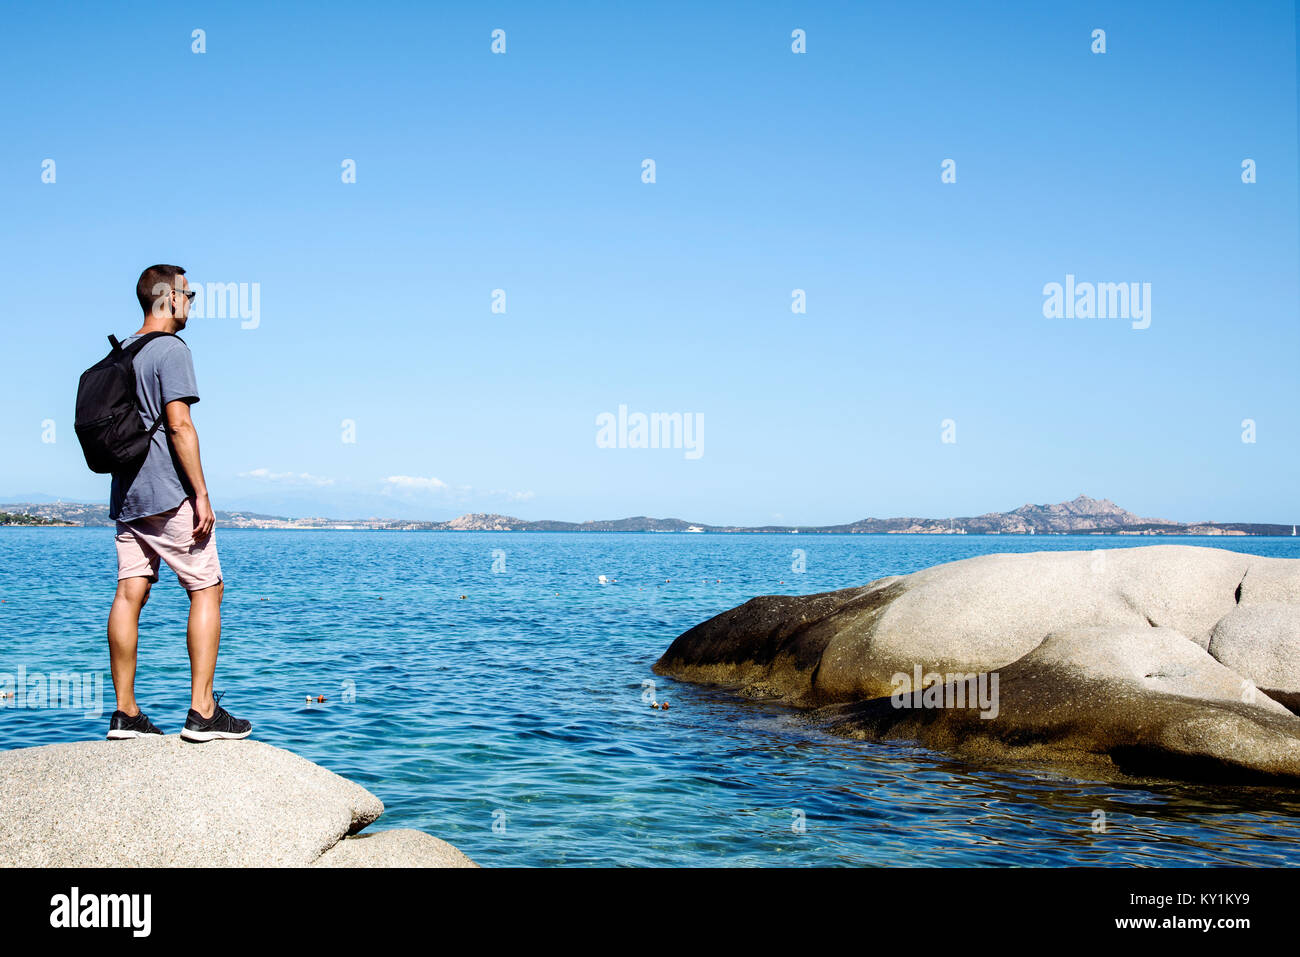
[
  {"x": 1081, "y": 516},
  {"x": 28, "y": 519}
]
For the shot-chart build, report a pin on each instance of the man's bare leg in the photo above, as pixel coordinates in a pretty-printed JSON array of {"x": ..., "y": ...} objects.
[
  {"x": 123, "y": 637},
  {"x": 203, "y": 636}
]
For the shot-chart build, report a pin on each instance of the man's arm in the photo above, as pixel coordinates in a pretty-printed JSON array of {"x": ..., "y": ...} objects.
[{"x": 185, "y": 440}]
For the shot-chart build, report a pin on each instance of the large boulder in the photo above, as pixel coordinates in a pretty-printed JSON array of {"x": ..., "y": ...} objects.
[
  {"x": 1262, "y": 642},
  {"x": 163, "y": 802},
  {"x": 1124, "y": 671},
  {"x": 971, "y": 615}
]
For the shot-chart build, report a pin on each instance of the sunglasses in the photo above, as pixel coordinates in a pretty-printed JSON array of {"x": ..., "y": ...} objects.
[{"x": 188, "y": 294}]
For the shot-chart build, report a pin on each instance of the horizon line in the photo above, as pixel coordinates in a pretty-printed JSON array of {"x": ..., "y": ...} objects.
[{"x": 987, "y": 516}]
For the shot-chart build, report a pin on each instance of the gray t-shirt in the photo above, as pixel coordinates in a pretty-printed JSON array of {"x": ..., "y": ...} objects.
[{"x": 164, "y": 372}]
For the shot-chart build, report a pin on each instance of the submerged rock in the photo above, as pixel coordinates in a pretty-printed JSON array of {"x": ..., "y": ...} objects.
[
  {"x": 163, "y": 802},
  {"x": 1092, "y": 658}
]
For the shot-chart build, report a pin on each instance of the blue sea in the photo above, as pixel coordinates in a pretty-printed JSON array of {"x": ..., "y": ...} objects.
[{"x": 492, "y": 692}]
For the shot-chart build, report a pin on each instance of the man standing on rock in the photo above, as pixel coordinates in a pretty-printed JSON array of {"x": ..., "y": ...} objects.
[{"x": 162, "y": 512}]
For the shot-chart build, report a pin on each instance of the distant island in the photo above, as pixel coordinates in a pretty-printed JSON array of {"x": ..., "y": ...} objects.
[{"x": 1083, "y": 515}]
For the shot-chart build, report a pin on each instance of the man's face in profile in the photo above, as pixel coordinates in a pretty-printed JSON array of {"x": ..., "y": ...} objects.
[
  {"x": 175, "y": 296},
  {"x": 181, "y": 302}
]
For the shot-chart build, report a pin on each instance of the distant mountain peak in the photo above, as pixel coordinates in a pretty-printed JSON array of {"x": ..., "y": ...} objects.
[
  {"x": 1081, "y": 512},
  {"x": 484, "y": 522}
]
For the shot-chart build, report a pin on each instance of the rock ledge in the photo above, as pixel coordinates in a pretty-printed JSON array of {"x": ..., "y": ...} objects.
[{"x": 165, "y": 802}]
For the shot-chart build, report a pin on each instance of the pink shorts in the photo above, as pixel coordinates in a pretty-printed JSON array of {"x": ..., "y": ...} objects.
[{"x": 169, "y": 536}]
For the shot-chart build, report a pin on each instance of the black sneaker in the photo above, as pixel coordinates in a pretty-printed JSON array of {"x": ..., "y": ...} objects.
[
  {"x": 123, "y": 725},
  {"x": 222, "y": 724}
]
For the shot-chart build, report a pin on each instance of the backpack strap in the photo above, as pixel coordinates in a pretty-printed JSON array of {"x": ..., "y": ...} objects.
[
  {"x": 133, "y": 350},
  {"x": 140, "y": 343},
  {"x": 156, "y": 423}
]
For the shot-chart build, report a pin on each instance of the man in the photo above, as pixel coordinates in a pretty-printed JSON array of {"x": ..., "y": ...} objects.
[{"x": 163, "y": 512}]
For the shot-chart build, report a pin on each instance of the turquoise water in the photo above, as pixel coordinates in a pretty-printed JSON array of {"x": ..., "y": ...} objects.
[{"x": 512, "y": 722}]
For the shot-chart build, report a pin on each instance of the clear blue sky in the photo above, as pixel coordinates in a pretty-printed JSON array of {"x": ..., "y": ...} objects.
[{"x": 775, "y": 171}]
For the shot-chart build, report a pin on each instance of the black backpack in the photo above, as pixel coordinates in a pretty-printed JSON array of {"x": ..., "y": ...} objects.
[{"x": 108, "y": 423}]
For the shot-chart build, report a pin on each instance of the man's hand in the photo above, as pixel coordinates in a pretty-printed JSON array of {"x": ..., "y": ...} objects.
[{"x": 204, "y": 517}]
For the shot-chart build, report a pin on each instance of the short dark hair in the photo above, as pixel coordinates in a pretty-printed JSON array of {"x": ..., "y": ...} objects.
[{"x": 151, "y": 277}]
